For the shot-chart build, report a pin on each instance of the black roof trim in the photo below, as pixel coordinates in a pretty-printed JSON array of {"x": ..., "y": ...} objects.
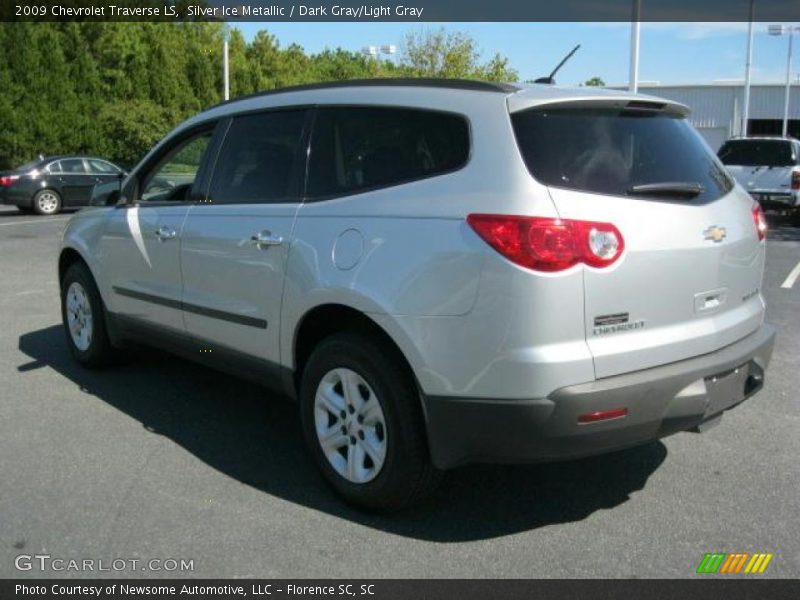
[{"x": 451, "y": 84}]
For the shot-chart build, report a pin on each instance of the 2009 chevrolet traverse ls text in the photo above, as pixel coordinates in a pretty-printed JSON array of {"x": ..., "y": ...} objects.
[{"x": 440, "y": 272}]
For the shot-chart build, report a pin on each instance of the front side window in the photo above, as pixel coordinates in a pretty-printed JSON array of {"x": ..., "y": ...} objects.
[
  {"x": 360, "y": 148},
  {"x": 617, "y": 151},
  {"x": 257, "y": 161},
  {"x": 54, "y": 167},
  {"x": 101, "y": 167},
  {"x": 171, "y": 180}
]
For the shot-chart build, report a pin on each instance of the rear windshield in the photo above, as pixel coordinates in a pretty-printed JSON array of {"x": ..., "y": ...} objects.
[
  {"x": 611, "y": 150},
  {"x": 29, "y": 165},
  {"x": 757, "y": 153}
]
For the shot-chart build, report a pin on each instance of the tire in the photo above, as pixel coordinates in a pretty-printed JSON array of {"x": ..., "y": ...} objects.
[
  {"x": 83, "y": 316},
  {"x": 46, "y": 202},
  {"x": 406, "y": 474}
]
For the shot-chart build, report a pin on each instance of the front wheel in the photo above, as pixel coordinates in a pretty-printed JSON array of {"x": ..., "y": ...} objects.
[
  {"x": 46, "y": 202},
  {"x": 83, "y": 316},
  {"x": 363, "y": 423}
]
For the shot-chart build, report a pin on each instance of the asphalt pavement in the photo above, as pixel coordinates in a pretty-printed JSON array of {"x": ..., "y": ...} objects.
[{"x": 160, "y": 459}]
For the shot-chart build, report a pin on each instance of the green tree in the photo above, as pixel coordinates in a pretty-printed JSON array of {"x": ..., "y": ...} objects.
[
  {"x": 595, "y": 82},
  {"x": 115, "y": 89},
  {"x": 441, "y": 53}
]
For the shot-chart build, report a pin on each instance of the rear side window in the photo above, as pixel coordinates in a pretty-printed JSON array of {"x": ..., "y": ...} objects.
[
  {"x": 611, "y": 150},
  {"x": 257, "y": 160},
  {"x": 757, "y": 153},
  {"x": 361, "y": 148},
  {"x": 73, "y": 165}
]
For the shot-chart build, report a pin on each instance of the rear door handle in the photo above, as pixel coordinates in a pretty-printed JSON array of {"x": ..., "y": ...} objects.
[
  {"x": 264, "y": 239},
  {"x": 164, "y": 233}
]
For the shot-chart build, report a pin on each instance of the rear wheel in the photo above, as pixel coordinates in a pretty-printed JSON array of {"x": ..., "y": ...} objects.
[
  {"x": 363, "y": 423},
  {"x": 83, "y": 316},
  {"x": 46, "y": 202}
]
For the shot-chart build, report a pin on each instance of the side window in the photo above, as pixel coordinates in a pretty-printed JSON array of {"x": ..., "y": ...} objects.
[
  {"x": 173, "y": 176},
  {"x": 73, "y": 166},
  {"x": 354, "y": 149},
  {"x": 257, "y": 161},
  {"x": 101, "y": 167},
  {"x": 54, "y": 167}
]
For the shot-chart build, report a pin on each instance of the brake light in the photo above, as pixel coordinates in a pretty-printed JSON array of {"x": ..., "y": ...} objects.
[
  {"x": 796, "y": 180},
  {"x": 759, "y": 220},
  {"x": 545, "y": 244},
  {"x": 8, "y": 180}
]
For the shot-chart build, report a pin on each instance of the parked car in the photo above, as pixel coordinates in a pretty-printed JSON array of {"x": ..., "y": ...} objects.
[
  {"x": 768, "y": 168},
  {"x": 48, "y": 184},
  {"x": 440, "y": 272}
]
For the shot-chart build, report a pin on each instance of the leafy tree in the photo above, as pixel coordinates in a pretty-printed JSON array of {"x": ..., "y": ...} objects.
[
  {"x": 114, "y": 89},
  {"x": 441, "y": 53},
  {"x": 595, "y": 82}
]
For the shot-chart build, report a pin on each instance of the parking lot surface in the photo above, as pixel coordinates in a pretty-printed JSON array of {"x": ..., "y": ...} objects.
[{"x": 159, "y": 458}]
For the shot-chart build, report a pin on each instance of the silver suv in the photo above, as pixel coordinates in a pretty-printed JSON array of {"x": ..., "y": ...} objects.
[{"x": 440, "y": 272}]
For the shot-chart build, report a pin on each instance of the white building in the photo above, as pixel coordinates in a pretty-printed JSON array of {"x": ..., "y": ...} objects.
[{"x": 717, "y": 107}]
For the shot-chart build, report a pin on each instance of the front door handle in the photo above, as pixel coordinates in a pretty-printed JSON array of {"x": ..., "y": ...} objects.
[
  {"x": 164, "y": 233},
  {"x": 264, "y": 239}
]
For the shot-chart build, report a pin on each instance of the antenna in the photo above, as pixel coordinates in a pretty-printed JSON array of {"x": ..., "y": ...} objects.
[{"x": 549, "y": 79}]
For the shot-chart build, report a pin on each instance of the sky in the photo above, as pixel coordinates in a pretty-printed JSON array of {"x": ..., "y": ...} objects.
[{"x": 670, "y": 52}]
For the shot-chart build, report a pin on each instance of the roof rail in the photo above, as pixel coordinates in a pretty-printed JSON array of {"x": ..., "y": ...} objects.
[{"x": 453, "y": 84}]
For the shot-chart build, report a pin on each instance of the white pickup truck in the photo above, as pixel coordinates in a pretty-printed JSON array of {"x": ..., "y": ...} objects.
[{"x": 767, "y": 167}]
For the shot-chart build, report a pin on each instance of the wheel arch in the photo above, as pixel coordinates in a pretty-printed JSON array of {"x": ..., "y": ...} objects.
[
  {"x": 68, "y": 257},
  {"x": 325, "y": 320}
]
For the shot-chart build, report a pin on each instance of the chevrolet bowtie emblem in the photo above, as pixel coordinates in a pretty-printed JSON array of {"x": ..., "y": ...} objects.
[{"x": 715, "y": 233}]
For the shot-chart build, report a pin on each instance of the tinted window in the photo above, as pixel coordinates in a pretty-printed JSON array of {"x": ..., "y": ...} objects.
[
  {"x": 102, "y": 167},
  {"x": 608, "y": 151},
  {"x": 257, "y": 160},
  {"x": 72, "y": 165},
  {"x": 765, "y": 153},
  {"x": 356, "y": 149},
  {"x": 54, "y": 167},
  {"x": 172, "y": 179}
]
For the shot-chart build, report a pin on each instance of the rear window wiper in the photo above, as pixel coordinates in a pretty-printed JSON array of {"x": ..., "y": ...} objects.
[{"x": 677, "y": 189}]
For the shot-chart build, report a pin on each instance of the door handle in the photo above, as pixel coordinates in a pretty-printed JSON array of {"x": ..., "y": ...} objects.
[
  {"x": 265, "y": 238},
  {"x": 164, "y": 233}
]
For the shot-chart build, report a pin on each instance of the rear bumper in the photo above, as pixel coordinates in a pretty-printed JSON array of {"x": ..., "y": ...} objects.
[{"x": 659, "y": 401}]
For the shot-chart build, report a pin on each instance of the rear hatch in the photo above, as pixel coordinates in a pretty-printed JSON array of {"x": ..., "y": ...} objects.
[
  {"x": 688, "y": 281},
  {"x": 760, "y": 165}
]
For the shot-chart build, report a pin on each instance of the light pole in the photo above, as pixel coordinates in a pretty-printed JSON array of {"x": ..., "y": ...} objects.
[
  {"x": 636, "y": 26},
  {"x": 780, "y": 30},
  {"x": 748, "y": 63}
]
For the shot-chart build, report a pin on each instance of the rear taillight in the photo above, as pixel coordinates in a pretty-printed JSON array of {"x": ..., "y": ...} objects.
[
  {"x": 545, "y": 244},
  {"x": 759, "y": 220},
  {"x": 8, "y": 180},
  {"x": 796, "y": 180}
]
